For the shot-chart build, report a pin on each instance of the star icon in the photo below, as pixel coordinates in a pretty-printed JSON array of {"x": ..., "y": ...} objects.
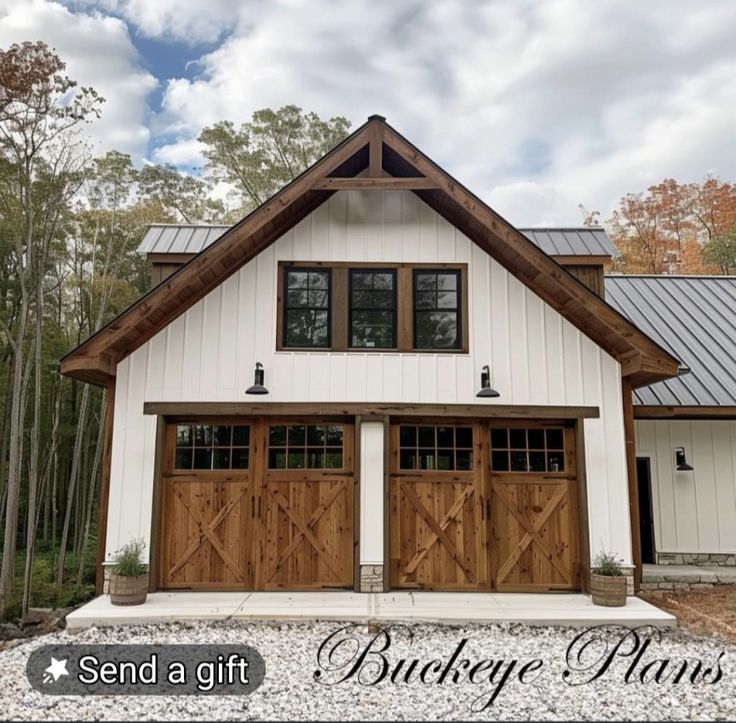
[{"x": 55, "y": 670}]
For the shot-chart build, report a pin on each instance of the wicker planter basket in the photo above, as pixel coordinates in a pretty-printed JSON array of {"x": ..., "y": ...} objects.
[
  {"x": 608, "y": 590},
  {"x": 126, "y": 590}
]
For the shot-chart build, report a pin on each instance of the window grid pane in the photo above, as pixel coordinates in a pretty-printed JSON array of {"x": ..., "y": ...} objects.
[
  {"x": 436, "y": 309},
  {"x": 372, "y": 309},
  {"x": 307, "y": 308},
  {"x": 299, "y": 446},
  {"x": 532, "y": 449},
  {"x": 442, "y": 448},
  {"x": 207, "y": 447}
]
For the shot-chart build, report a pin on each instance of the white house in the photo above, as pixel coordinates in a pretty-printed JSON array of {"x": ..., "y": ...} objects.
[{"x": 448, "y": 401}]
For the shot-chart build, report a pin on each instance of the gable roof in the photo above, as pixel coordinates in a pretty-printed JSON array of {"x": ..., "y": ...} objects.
[
  {"x": 377, "y": 148},
  {"x": 693, "y": 316},
  {"x": 187, "y": 238}
]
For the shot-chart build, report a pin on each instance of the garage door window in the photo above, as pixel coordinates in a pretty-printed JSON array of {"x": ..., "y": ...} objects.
[
  {"x": 206, "y": 446},
  {"x": 305, "y": 446},
  {"x": 519, "y": 449},
  {"x": 439, "y": 448}
]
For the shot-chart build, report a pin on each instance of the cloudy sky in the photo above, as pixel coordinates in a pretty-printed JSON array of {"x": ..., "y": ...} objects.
[{"x": 536, "y": 105}]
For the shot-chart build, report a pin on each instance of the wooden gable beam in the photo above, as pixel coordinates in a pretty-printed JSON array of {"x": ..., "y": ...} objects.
[
  {"x": 375, "y": 146},
  {"x": 378, "y": 184}
]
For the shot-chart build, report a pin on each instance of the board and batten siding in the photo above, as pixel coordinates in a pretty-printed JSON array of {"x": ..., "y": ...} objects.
[
  {"x": 208, "y": 354},
  {"x": 693, "y": 511}
]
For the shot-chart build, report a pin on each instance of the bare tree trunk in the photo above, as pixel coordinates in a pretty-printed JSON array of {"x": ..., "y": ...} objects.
[
  {"x": 91, "y": 489},
  {"x": 14, "y": 457},
  {"x": 35, "y": 451},
  {"x": 74, "y": 474}
]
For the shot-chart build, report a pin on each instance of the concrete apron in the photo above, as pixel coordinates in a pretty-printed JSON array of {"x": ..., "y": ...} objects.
[{"x": 573, "y": 610}]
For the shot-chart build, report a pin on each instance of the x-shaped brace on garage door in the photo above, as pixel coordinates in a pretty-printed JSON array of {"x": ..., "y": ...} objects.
[
  {"x": 438, "y": 531},
  {"x": 304, "y": 530},
  {"x": 531, "y": 532},
  {"x": 207, "y": 529}
]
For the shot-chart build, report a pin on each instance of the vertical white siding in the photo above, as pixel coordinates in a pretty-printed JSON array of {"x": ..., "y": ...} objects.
[
  {"x": 693, "y": 511},
  {"x": 371, "y": 493},
  {"x": 208, "y": 354}
]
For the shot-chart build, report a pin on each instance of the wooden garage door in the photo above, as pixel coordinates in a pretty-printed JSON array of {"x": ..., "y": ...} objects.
[
  {"x": 308, "y": 495},
  {"x": 534, "y": 527},
  {"x": 260, "y": 504},
  {"x": 436, "y": 508},
  {"x": 483, "y": 506}
]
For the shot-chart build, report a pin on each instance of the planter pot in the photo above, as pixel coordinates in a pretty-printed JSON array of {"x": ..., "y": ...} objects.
[
  {"x": 608, "y": 590},
  {"x": 128, "y": 590}
]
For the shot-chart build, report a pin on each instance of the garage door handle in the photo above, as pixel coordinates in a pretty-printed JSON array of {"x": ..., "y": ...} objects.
[
  {"x": 259, "y": 507},
  {"x": 252, "y": 506}
]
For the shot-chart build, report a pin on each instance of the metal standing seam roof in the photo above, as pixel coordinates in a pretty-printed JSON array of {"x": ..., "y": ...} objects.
[
  {"x": 166, "y": 238},
  {"x": 695, "y": 318},
  {"x": 582, "y": 241},
  {"x": 191, "y": 239}
]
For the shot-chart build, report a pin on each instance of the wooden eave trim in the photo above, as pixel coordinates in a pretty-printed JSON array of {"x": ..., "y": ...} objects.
[
  {"x": 100, "y": 369},
  {"x": 185, "y": 409},
  {"x": 602, "y": 318},
  {"x": 230, "y": 251},
  {"x": 645, "y": 411}
]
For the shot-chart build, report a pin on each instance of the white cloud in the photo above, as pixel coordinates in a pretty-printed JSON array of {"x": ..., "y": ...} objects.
[
  {"x": 537, "y": 106},
  {"x": 98, "y": 53}
]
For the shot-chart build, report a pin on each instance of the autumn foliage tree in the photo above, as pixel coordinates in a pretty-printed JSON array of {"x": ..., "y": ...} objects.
[{"x": 669, "y": 229}]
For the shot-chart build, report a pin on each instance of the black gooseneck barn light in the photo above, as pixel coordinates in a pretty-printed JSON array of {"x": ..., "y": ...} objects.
[
  {"x": 681, "y": 464},
  {"x": 485, "y": 384},
  {"x": 258, "y": 387}
]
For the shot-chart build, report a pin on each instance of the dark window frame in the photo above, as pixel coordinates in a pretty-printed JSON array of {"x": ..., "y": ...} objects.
[
  {"x": 285, "y": 306},
  {"x": 457, "y": 309},
  {"x": 339, "y": 312},
  {"x": 394, "y": 308}
]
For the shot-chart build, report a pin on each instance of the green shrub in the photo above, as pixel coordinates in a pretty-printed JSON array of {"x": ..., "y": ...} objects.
[
  {"x": 128, "y": 560},
  {"x": 606, "y": 564}
]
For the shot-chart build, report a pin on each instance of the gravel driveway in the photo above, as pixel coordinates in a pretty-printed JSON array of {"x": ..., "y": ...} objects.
[{"x": 291, "y": 691}]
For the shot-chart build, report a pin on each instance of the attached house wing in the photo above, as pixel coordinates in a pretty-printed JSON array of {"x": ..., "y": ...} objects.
[{"x": 390, "y": 162}]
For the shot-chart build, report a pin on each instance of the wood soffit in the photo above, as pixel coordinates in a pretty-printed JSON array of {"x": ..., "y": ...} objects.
[{"x": 375, "y": 147}]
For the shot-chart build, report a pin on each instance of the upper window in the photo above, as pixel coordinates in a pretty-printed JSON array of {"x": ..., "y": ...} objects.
[
  {"x": 307, "y": 308},
  {"x": 344, "y": 306},
  {"x": 436, "y": 309},
  {"x": 373, "y": 309}
]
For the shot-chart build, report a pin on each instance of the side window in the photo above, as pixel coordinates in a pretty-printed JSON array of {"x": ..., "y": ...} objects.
[
  {"x": 373, "y": 309},
  {"x": 436, "y": 309},
  {"x": 307, "y": 308}
]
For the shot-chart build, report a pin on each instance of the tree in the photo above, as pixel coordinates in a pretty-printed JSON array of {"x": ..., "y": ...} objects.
[
  {"x": 663, "y": 230},
  {"x": 262, "y": 156},
  {"x": 186, "y": 198},
  {"x": 39, "y": 110},
  {"x": 720, "y": 252}
]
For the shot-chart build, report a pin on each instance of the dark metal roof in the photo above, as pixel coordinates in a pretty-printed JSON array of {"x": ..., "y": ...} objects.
[
  {"x": 695, "y": 318},
  {"x": 583, "y": 241},
  {"x": 164, "y": 238}
]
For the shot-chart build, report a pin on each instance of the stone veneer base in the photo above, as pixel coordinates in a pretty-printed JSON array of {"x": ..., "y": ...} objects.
[{"x": 696, "y": 558}]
